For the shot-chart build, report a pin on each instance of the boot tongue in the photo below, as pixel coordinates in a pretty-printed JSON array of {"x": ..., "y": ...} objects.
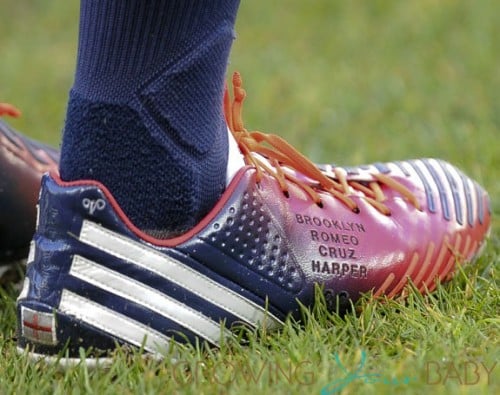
[{"x": 235, "y": 159}]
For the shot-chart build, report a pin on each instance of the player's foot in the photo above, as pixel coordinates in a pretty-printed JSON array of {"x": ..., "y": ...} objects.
[
  {"x": 22, "y": 163},
  {"x": 281, "y": 227}
]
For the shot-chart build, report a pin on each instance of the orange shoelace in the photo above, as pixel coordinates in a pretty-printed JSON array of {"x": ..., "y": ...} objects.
[
  {"x": 280, "y": 154},
  {"x": 9, "y": 109}
]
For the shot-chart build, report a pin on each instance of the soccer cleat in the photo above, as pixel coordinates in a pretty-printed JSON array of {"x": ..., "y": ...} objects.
[
  {"x": 282, "y": 227},
  {"x": 22, "y": 163}
]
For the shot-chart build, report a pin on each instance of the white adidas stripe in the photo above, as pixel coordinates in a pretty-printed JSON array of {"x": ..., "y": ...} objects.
[
  {"x": 112, "y": 322},
  {"x": 31, "y": 253},
  {"x": 176, "y": 272},
  {"x": 148, "y": 297}
]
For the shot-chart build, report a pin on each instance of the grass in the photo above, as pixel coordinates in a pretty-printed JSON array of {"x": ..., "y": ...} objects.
[{"x": 346, "y": 82}]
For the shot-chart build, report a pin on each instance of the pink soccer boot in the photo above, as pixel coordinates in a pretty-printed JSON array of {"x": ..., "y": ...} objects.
[
  {"x": 282, "y": 227},
  {"x": 22, "y": 163}
]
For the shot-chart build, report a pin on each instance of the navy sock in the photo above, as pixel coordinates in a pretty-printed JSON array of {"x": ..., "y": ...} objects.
[{"x": 145, "y": 115}]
